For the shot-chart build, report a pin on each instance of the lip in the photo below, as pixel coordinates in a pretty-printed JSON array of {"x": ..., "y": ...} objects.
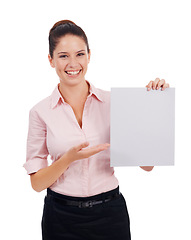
[{"x": 71, "y": 75}]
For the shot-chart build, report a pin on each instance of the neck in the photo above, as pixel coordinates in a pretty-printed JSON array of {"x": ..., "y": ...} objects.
[{"x": 74, "y": 93}]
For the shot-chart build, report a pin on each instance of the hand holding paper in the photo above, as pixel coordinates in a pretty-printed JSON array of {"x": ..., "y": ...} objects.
[{"x": 157, "y": 84}]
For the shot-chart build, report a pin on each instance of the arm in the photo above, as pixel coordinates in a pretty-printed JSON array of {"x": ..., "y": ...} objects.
[
  {"x": 155, "y": 85},
  {"x": 45, "y": 177}
]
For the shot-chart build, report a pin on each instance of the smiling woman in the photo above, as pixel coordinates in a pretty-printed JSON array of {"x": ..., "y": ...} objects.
[
  {"x": 83, "y": 199},
  {"x": 69, "y": 54},
  {"x": 70, "y": 60}
]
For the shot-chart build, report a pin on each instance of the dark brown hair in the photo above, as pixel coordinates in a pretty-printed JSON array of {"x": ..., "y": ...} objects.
[{"x": 62, "y": 28}]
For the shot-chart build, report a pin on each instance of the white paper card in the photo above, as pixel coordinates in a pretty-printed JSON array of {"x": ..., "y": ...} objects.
[{"x": 142, "y": 127}]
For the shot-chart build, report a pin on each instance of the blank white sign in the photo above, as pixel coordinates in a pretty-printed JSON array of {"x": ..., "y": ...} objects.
[{"x": 142, "y": 127}]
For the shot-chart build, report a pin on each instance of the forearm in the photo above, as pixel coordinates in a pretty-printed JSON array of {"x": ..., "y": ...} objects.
[
  {"x": 45, "y": 177},
  {"x": 147, "y": 168}
]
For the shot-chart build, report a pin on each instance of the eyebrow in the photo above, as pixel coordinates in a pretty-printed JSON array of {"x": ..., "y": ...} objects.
[{"x": 67, "y": 52}]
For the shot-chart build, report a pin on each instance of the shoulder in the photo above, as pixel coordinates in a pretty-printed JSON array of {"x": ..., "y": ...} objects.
[
  {"x": 46, "y": 103},
  {"x": 105, "y": 95},
  {"x": 42, "y": 105},
  {"x": 103, "y": 92},
  {"x": 102, "y": 95},
  {"x": 41, "y": 111}
]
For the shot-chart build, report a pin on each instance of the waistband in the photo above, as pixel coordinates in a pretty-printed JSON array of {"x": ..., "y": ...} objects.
[{"x": 102, "y": 196}]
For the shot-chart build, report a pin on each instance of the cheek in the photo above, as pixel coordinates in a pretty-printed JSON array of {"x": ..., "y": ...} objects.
[
  {"x": 59, "y": 70},
  {"x": 84, "y": 63},
  {"x": 60, "y": 67}
]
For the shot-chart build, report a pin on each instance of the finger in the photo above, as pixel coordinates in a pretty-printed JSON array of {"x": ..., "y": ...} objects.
[
  {"x": 160, "y": 83},
  {"x": 155, "y": 83},
  {"x": 96, "y": 148},
  {"x": 149, "y": 86},
  {"x": 80, "y": 146},
  {"x": 166, "y": 85},
  {"x": 84, "y": 153}
]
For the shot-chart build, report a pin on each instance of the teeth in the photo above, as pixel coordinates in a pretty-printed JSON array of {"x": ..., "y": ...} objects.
[{"x": 73, "y": 72}]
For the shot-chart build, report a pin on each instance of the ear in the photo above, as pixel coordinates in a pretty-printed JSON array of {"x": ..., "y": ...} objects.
[
  {"x": 89, "y": 55},
  {"x": 51, "y": 61}
]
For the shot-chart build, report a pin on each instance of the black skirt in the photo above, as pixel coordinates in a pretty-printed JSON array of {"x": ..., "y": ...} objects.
[{"x": 103, "y": 221}]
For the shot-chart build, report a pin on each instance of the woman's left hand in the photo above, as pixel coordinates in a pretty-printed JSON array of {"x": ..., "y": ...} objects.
[{"x": 157, "y": 84}]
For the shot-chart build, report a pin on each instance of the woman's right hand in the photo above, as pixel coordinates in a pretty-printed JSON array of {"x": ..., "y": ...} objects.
[
  {"x": 45, "y": 177},
  {"x": 79, "y": 151}
]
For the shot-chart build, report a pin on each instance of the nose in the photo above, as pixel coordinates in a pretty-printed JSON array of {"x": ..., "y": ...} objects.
[{"x": 73, "y": 63}]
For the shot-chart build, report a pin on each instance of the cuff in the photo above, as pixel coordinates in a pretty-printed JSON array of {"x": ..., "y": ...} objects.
[{"x": 34, "y": 165}]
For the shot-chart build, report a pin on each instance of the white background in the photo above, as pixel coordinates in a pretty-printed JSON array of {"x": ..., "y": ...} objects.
[{"x": 132, "y": 42}]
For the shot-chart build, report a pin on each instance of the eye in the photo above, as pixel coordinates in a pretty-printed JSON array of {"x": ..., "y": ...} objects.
[
  {"x": 63, "y": 56},
  {"x": 80, "y": 54}
]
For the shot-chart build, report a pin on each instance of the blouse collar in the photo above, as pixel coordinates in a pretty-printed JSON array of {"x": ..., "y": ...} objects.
[{"x": 56, "y": 96}]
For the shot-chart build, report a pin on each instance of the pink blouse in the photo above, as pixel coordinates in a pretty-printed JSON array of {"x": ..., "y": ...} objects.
[{"x": 54, "y": 129}]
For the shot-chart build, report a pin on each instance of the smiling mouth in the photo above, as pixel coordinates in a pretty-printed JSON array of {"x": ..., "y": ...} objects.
[{"x": 73, "y": 72}]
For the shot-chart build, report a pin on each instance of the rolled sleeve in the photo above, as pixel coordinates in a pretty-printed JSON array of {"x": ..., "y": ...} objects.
[{"x": 37, "y": 152}]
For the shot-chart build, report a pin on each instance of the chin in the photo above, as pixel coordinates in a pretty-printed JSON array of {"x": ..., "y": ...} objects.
[{"x": 72, "y": 81}]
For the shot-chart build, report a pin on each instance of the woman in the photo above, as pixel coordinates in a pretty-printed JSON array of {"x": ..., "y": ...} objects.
[{"x": 83, "y": 199}]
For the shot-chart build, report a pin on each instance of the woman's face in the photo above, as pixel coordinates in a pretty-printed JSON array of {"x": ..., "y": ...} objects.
[{"x": 70, "y": 59}]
